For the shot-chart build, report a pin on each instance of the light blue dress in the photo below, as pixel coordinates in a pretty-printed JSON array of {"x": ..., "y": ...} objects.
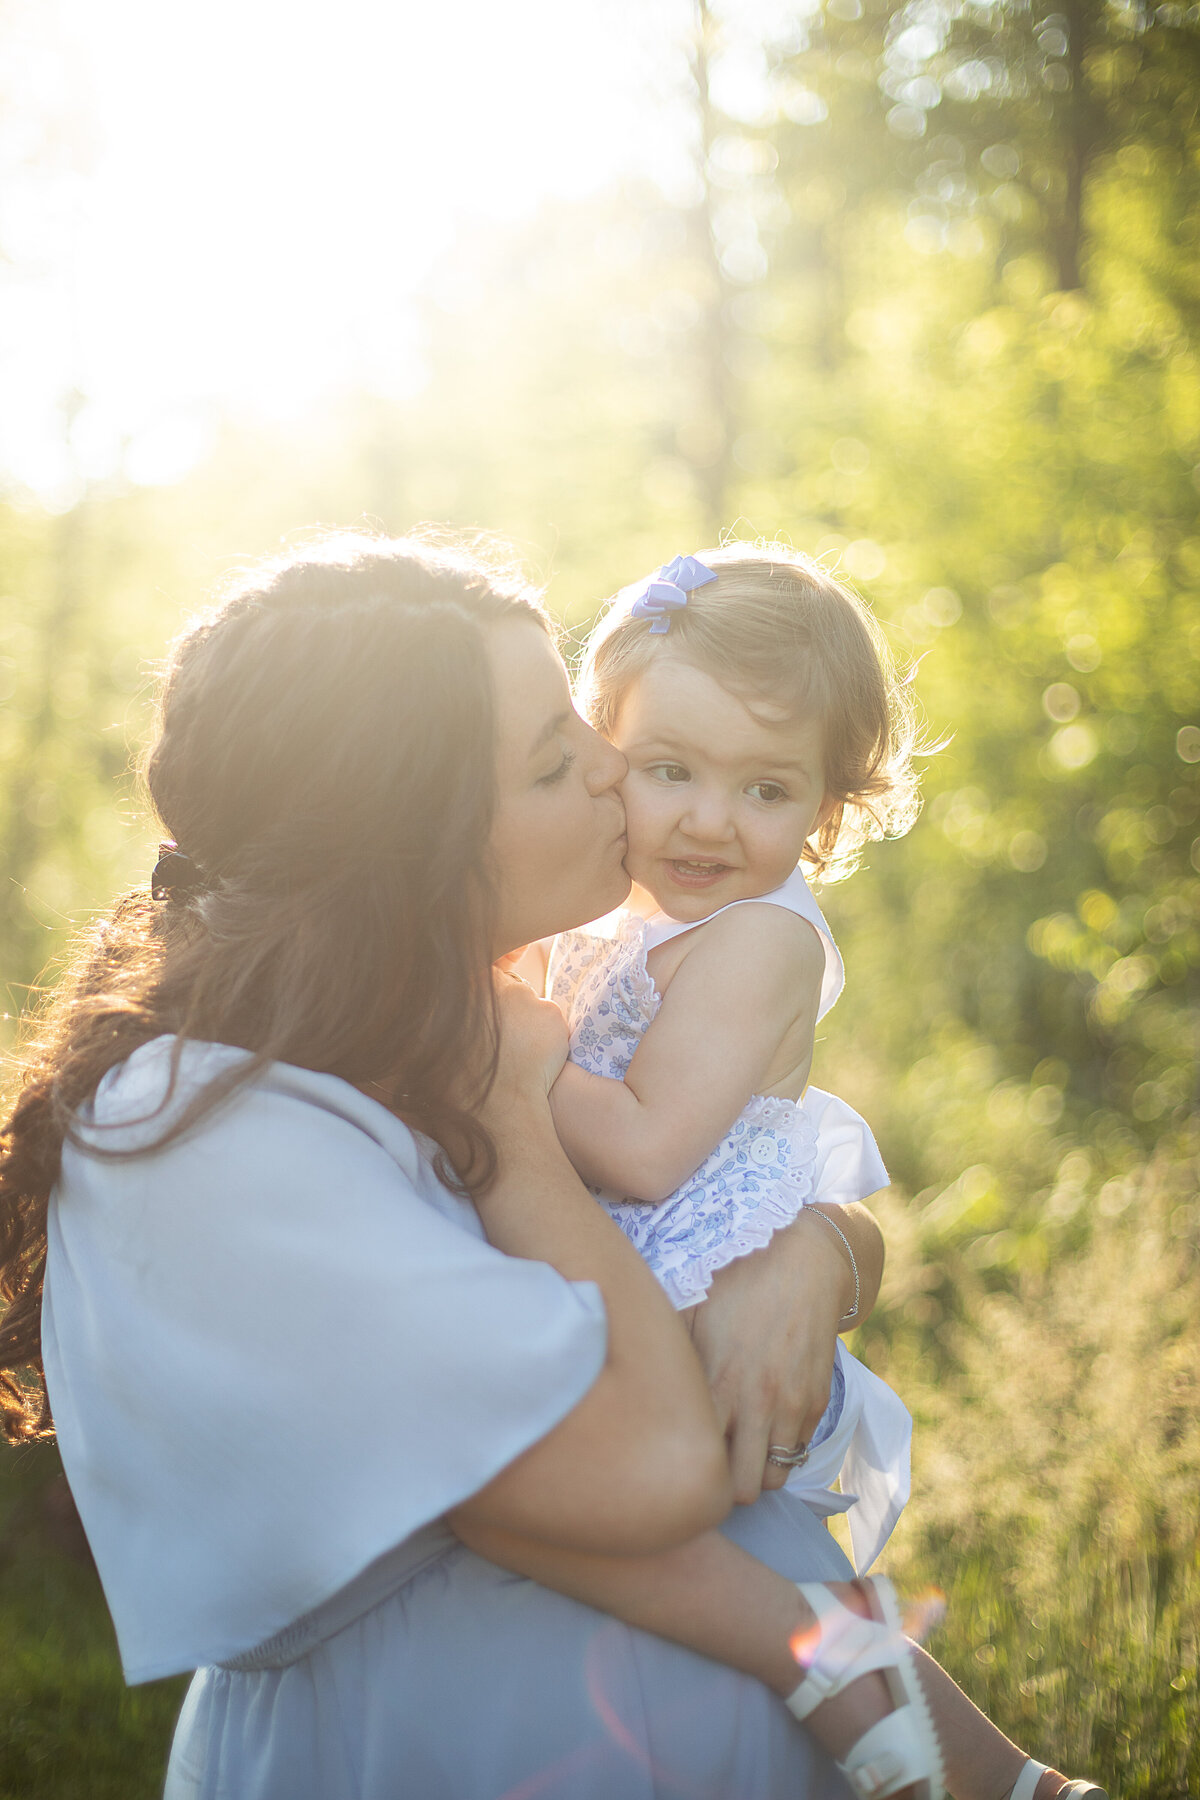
[{"x": 278, "y": 1350}]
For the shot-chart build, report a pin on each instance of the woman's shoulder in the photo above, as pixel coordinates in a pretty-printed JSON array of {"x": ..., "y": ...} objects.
[{"x": 156, "y": 1098}]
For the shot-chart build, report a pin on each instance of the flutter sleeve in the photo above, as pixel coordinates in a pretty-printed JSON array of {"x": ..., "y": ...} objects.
[{"x": 275, "y": 1347}]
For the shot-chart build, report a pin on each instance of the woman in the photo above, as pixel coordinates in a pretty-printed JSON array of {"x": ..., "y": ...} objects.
[{"x": 278, "y": 1349}]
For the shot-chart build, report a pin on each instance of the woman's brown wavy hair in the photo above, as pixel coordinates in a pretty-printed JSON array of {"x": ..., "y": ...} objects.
[{"x": 325, "y": 757}]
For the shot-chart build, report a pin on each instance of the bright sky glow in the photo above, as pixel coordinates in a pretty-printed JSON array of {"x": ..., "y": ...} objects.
[{"x": 228, "y": 208}]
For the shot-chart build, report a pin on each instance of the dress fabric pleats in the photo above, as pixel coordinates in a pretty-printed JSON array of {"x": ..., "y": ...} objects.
[{"x": 468, "y": 1683}]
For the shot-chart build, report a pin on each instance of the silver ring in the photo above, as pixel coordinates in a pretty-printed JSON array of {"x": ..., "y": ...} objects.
[{"x": 783, "y": 1458}]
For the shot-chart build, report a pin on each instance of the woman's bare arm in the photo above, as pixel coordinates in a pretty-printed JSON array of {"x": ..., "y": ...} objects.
[{"x": 708, "y": 1594}]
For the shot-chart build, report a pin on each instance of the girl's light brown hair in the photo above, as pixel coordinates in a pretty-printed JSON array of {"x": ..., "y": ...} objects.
[
  {"x": 325, "y": 756},
  {"x": 776, "y": 626}
]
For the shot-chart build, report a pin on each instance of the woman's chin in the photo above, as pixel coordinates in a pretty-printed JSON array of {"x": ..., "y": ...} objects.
[
  {"x": 621, "y": 889},
  {"x": 605, "y": 898}
]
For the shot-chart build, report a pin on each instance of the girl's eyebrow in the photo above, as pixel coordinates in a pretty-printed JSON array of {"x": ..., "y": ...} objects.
[
  {"x": 667, "y": 746},
  {"x": 658, "y": 739},
  {"x": 548, "y": 730},
  {"x": 790, "y": 765}
]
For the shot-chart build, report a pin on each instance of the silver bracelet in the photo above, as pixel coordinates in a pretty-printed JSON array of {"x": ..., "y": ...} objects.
[{"x": 849, "y": 1252}]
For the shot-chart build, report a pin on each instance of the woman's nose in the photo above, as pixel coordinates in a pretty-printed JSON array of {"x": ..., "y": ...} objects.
[{"x": 606, "y": 765}]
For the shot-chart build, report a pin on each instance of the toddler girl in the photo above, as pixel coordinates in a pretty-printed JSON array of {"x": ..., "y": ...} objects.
[
  {"x": 755, "y": 702},
  {"x": 764, "y": 728}
]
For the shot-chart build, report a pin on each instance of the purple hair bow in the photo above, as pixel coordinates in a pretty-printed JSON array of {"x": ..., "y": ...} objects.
[{"x": 667, "y": 591}]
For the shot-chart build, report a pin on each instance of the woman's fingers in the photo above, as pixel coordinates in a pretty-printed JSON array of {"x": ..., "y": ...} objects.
[
  {"x": 766, "y": 1337},
  {"x": 758, "y": 1417},
  {"x": 791, "y": 1430},
  {"x": 533, "y": 1032},
  {"x": 755, "y": 1429},
  {"x": 748, "y": 1439}
]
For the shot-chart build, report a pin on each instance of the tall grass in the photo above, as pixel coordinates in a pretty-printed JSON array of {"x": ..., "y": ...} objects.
[{"x": 1057, "y": 1481}]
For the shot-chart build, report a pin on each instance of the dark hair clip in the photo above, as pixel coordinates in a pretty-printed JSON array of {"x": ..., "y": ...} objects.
[{"x": 174, "y": 873}]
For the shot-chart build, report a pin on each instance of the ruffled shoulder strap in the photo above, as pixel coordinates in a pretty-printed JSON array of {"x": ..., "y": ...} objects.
[{"x": 796, "y": 896}]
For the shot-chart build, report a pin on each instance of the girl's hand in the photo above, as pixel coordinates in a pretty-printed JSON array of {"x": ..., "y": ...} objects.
[{"x": 766, "y": 1337}]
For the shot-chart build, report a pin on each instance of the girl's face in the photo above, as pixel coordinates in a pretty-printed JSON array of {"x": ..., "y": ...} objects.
[
  {"x": 720, "y": 795},
  {"x": 558, "y": 838}
]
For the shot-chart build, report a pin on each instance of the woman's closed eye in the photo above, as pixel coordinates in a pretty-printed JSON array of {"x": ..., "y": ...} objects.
[{"x": 556, "y": 774}]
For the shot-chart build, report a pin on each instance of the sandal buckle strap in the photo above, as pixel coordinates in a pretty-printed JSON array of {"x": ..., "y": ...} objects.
[
  {"x": 873, "y": 1780},
  {"x": 887, "y": 1757}
]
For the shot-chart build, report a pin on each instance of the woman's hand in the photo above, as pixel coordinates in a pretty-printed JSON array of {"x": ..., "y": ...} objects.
[
  {"x": 533, "y": 1039},
  {"x": 529, "y": 963},
  {"x": 767, "y": 1332}
]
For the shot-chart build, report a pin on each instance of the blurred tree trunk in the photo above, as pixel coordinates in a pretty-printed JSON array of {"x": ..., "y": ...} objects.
[
  {"x": 831, "y": 316},
  {"x": 707, "y": 444},
  {"x": 1080, "y": 139}
]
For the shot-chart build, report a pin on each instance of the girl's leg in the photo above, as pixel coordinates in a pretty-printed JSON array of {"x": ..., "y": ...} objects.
[
  {"x": 981, "y": 1763},
  {"x": 717, "y": 1599}
]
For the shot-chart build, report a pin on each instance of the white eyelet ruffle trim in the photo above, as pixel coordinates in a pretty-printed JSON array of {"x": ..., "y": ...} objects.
[{"x": 756, "y": 1180}]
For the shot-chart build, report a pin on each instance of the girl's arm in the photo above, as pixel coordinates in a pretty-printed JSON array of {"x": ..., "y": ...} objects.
[{"x": 741, "y": 1007}]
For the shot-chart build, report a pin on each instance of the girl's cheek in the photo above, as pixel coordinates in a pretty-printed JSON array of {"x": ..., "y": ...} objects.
[{"x": 628, "y": 790}]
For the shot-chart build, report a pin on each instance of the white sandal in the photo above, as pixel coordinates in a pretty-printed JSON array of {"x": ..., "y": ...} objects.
[
  {"x": 900, "y": 1750},
  {"x": 1025, "y": 1786}
]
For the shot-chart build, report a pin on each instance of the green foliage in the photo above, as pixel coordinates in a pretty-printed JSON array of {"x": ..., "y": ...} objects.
[
  {"x": 69, "y": 1727},
  {"x": 933, "y": 314}
]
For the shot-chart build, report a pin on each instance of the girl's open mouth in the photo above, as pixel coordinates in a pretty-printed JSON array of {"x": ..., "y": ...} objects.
[{"x": 696, "y": 873}]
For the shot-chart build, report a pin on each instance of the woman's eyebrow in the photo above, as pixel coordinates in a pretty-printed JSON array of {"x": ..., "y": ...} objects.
[{"x": 548, "y": 730}]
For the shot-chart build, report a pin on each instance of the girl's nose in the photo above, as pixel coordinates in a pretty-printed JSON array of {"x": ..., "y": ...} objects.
[
  {"x": 606, "y": 765},
  {"x": 707, "y": 818}
]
